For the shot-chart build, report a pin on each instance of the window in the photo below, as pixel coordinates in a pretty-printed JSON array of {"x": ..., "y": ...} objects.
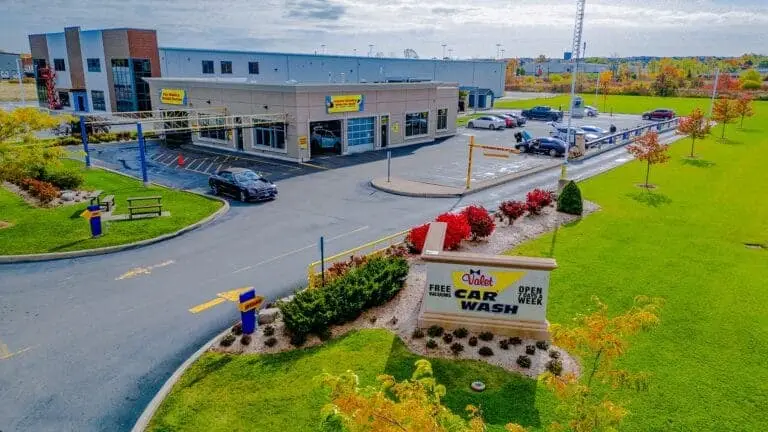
[
  {"x": 59, "y": 65},
  {"x": 442, "y": 119},
  {"x": 416, "y": 124},
  {"x": 64, "y": 98},
  {"x": 226, "y": 175},
  {"x": 123, "y": 85},
  {"x": 226, "y": 67},
  {"x": 360, "y": 131},
  {"x": 207, "y": 66},
  {"x": 97, "y": 96},
  {"x": 266, "y": 134},
  {"x": 253, "y": 68},
  {"x": 94, "y": 65},
  {"x": 142, "y": 69},
  {"x": 209, "y": 130}
]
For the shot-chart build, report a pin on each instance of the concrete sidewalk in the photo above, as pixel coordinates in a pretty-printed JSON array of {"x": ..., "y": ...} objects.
[{"x": 399, "y": 186}]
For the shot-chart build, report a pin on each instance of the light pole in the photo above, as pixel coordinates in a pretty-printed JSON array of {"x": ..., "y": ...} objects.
[
  {"x": 502, "y": 53},
  {"x": 322, "y": 48},
  {"x": 498, "y": 47},
  {"x": 370, "y": 50},
  {"x": 21, "y": 84},
  {"x": 444, "y": 45},
  {"x": 714, "y": 91},
  {"x": 450, "y": 53},
  {"x": 354, "y": 50}
]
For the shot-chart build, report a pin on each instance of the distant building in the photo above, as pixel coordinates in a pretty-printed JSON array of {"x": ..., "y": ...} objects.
[
  {"x": 97, "y": 70},
  {"x": 531, "y": 67},
  {"x": 9, "y": 64},
  {"x": 484, "y": 77}
]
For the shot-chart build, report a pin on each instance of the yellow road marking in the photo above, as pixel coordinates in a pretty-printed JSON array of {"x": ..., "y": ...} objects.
[
  {"x": 6, "y": 354},
  {"x": 207, "y": 305},
  {"x": 314, "y": 166},
  {"x": 231, "y": 295},
  {"x": 143, "y": 270}
]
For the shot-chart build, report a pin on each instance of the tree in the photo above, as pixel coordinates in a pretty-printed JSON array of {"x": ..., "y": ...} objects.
[
  {"x": 601, "y": 340},
  {"x": 696, "y": 126},
  {"x": 724, "y": 112},
  {"x": 667, "y": 81},
  {"x": 21, "y": 152},
  {"x": 750, "y": 75},
  {"x": 648, "y": 148},
  {"x": 413, "y": 405},
  {"x": 541, "y": 58},
  {"x": 743, "y": 108},
  {"x": 604, "y": 81}
]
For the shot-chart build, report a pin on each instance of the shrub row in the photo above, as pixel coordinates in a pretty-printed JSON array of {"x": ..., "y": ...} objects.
[
  {"x": 343, "y": 299},
  {"x": 473, "y": 222}
]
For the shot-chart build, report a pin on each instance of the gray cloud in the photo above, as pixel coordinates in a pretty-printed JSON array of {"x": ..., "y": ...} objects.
[{"x": 314, "y": 9}]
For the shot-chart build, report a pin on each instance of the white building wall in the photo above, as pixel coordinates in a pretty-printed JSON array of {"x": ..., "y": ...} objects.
[
  {"x": 277, "y": 68},
  {"x": 92, "y": 46},
  {"x": 57, "y": 49}
]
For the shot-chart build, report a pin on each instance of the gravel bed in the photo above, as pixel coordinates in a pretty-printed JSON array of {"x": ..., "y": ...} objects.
[{"x": 401, "y": 313}]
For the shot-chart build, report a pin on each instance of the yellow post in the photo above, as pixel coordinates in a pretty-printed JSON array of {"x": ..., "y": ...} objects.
[
  {"x": 469, "y": 162},
  {"x": 310, "y": 276}
]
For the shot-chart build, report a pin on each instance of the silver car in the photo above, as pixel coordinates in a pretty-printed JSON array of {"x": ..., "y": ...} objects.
[{"x": 487, "y": 122}]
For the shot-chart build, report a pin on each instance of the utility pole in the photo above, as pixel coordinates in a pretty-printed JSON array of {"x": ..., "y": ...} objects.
[
  {"x": 498, "y": 48},
  {"x": 322, "y": 48},
  {"x": 444, "y": 45},
  {"x": 578, "y": 29},
  {"x": 370, "y": 50},
  {"x": 450, "y": 53},
  {"x": 714, "y": 91},
  {"x": 21, "y": 83}
]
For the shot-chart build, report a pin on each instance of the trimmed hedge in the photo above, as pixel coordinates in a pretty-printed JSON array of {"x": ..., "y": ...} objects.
[
  {"x": 345, "y": 298},
  {"x": 570, "y": 201}
]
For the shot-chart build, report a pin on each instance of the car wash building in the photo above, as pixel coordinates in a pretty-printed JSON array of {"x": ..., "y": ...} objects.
[{"x": 301, "y": 121}]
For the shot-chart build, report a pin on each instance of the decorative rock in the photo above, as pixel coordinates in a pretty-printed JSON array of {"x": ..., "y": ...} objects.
[
  {"x": 267, "y": 316},
  {"x": 68, "y": 195},
  {"x": 477, "y": 386}
]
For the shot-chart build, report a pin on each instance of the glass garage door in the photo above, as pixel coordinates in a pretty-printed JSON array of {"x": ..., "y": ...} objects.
[{"x": 360, "y": 134}]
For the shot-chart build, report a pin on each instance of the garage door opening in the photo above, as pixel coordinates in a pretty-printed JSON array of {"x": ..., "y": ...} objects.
[
  {"x": 360, "y": 134},
  {"x": 325, "y": 137}
]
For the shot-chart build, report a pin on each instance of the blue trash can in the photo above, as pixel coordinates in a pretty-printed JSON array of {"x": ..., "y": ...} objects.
[{"x": 95, "y": 220}]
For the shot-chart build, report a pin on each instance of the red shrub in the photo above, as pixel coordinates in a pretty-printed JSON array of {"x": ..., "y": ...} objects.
[
  {"x": 480, "y": 222},
  {"x": 416, "y": 238},
  {"x": 512, "y": 210},
  {"x": 458, "y": 229},
  {"x": 41, "y": 190},
  {"x": 541, "y": 197},
  {"x": 533, "y": 208}
]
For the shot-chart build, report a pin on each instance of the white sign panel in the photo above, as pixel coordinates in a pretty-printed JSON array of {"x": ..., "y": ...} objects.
[{"x": 487, "y": 292}]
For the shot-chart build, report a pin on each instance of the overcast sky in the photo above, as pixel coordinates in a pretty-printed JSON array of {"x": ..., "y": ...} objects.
[{"x": 525, "y": 28}]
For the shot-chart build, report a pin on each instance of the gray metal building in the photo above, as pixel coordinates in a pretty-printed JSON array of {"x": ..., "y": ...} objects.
[{"x": 9, "y": 64}]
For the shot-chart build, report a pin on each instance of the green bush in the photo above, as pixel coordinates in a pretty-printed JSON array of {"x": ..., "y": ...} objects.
[
  {"x": 435, "y": 331},
  {"x": 64, "y": 178},
  {"x": 447, "y": 338},
  {"x": 542, "y": 345},
  {"x": 417, "y": 334},
  {"x": 456, "y": 348},
  {"x": 345, "y": 298},
  {"x": 473, "y": 341},
  {"x": 228, "y": 340},
  {"x": 460, "y": 333},
  {"x": 570, "y": 200},
  {"x": 485, "y": 351},
  {"x": 751, "y": 85},
  {"x": 524, "y": 361},
  {"x": 271, "y": 342},
  {"x": 486, "y": 336},
  {"x": 555, "y": 366},
  {"x": 431, "y": 344}
]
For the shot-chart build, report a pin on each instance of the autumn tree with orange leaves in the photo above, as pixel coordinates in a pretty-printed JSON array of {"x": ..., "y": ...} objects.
[
  {"x": 647, "y": 148},
  {"x": 743, "y": 108},
  {"x": 599, "y": 340},
  {"x": 696, "y": 126},
  {"x": 724, "y": 112}
]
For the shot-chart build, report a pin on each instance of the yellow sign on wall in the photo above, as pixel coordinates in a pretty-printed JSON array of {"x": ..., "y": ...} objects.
[
  {"x": 173, "y": 96},
  {"x": 303, "y": 142},
  {"x": 344, "y": 103},
  {"x": 395, "y": 127}
]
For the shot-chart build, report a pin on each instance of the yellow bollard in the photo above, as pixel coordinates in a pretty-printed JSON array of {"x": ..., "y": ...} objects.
[{"x": 469, "y": 162}]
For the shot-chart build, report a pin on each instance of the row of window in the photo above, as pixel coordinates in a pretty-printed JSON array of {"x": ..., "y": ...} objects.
[
  {"x": 94, "y": 65},
  {"x": 226, "y": 67},
  {"x": 97, "y": 96}
]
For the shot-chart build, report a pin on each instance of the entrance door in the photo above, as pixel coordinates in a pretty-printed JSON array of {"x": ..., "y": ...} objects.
[
  {"x": 239, "y": 134},
  {"x": 384, "y": 131}
]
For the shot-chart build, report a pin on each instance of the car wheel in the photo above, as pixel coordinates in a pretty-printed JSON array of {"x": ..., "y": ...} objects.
[
  {"x": 491, "y": 127},
  {"x": 215, "y": 189},
  {"x": 243, "y": 196},
  {"x": 553, "y": 153},
  {"x": 471, "y": 125},
  {"x": 524, "y": 149}
]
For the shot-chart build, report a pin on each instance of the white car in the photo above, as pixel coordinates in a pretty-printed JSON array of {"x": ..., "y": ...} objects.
[
  {"x": 487, "y": 122},
  {"x": 594, "y": 129},
  {"x": 560, "y": 131},
  {"x": 591, "y": 111}
]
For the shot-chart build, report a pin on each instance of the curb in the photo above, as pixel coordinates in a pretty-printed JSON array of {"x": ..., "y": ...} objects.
[
  {"x": 149, "y": 412},
  {"x": 481, "y": 187},
  {"x": 15, "y": 259}
]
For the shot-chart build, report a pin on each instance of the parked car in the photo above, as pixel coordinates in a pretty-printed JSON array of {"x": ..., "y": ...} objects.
[
  {"x": 325, "y": 139},
  {"x": 518, "y": 118},
  {"x": 542, "y": 113},
  {"x": 242, "y": 184},
  {"x": 487, "y": 122},
  {"x": 591, "y": 111},
  {"x": 547, "y": 145},
  {"x": 594, "y": 129},
  {"x": 508, "y": 121},
  {"x": 659, "y": 114},
  {"x": 5, "y": 75}
]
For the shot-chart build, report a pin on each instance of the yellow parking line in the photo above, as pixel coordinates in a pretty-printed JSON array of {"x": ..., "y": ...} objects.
[
  {"x": 314, "y": 166},
  {"x": 207, "y": 305}
]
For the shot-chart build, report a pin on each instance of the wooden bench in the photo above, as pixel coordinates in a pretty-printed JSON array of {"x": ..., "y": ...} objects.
[
  {"x": 95, "y": 197},
  {"x": 108, "y": 203},
  {"x": 155, "y": 207}
]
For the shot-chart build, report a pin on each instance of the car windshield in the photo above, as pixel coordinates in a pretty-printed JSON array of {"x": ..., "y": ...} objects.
[{"x": 246, "y": 176}]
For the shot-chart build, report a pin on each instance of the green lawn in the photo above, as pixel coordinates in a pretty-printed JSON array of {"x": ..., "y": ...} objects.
[
  {"x": 617, "y": 103},
  {"x": 684, "y": 242},
  {"x": 463, "y": 120},
  {"x": 37, "y": 230},
  {"x": 222, "y": 392}
]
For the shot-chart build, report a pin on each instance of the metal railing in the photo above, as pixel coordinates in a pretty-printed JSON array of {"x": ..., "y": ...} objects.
[
  {"x": 627, "y": 136},
  {"x": 367, "y": 250}
]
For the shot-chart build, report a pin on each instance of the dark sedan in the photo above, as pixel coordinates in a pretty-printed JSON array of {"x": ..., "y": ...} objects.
[
  {"x": 518, "y": 118},
  {"x": 242, "y": 184},
  {"x": 545, "y": 145},
  {"x": 659, "y": 114}
]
